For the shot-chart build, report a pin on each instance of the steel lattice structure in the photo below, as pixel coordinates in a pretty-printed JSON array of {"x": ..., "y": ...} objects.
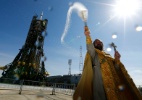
[{"x": 28, "y": 63}]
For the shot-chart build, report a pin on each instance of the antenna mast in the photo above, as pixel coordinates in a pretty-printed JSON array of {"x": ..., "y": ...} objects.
[
  {"x": 80, "y": 60},
  {"x": 69, "y": 62}
]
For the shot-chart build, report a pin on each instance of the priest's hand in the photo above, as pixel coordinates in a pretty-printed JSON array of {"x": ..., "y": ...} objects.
[
  {"x": 86, "y": 31},
  {"x": 117, "y": 55}
]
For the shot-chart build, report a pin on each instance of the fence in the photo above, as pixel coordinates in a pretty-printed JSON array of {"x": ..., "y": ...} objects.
[{"x": 28, "y": 85}]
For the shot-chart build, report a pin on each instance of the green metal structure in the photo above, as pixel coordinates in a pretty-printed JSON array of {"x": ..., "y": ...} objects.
[{"x": 29, "y": 62}]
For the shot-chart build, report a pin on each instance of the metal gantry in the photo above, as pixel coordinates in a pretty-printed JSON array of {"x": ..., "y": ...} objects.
[{"x": 28, "y": 63}]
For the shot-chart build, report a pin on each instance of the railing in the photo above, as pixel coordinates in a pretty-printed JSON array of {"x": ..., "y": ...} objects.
[{"x": 25, "y": 85}]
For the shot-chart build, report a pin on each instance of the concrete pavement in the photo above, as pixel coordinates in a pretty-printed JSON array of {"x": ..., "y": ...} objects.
[{"x": 13, "y": 94}]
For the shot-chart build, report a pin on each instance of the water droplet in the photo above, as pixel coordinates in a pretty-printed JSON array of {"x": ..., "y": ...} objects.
[
  {"x": 50, "y": 8},
  {"x": 70, "y": 3},
  {"x": 114, "y": 36},
  {"x": 108, "y": 49},
  {"x": 121, "y": 87},
  {"x": 139, "y": 28}
]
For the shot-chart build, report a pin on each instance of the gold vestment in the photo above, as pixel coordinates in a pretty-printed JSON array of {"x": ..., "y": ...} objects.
[{"x": 118, "y": 85}]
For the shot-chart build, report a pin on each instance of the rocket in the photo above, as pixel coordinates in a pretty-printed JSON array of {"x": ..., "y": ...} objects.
[{"x": 41, "y": 15}]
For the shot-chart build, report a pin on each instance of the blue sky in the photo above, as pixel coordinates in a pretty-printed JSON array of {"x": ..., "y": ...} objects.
[{"x": 16, "y": 15}]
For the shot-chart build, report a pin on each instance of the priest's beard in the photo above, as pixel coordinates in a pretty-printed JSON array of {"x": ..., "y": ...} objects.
[{"x": 100, "y": 47}]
